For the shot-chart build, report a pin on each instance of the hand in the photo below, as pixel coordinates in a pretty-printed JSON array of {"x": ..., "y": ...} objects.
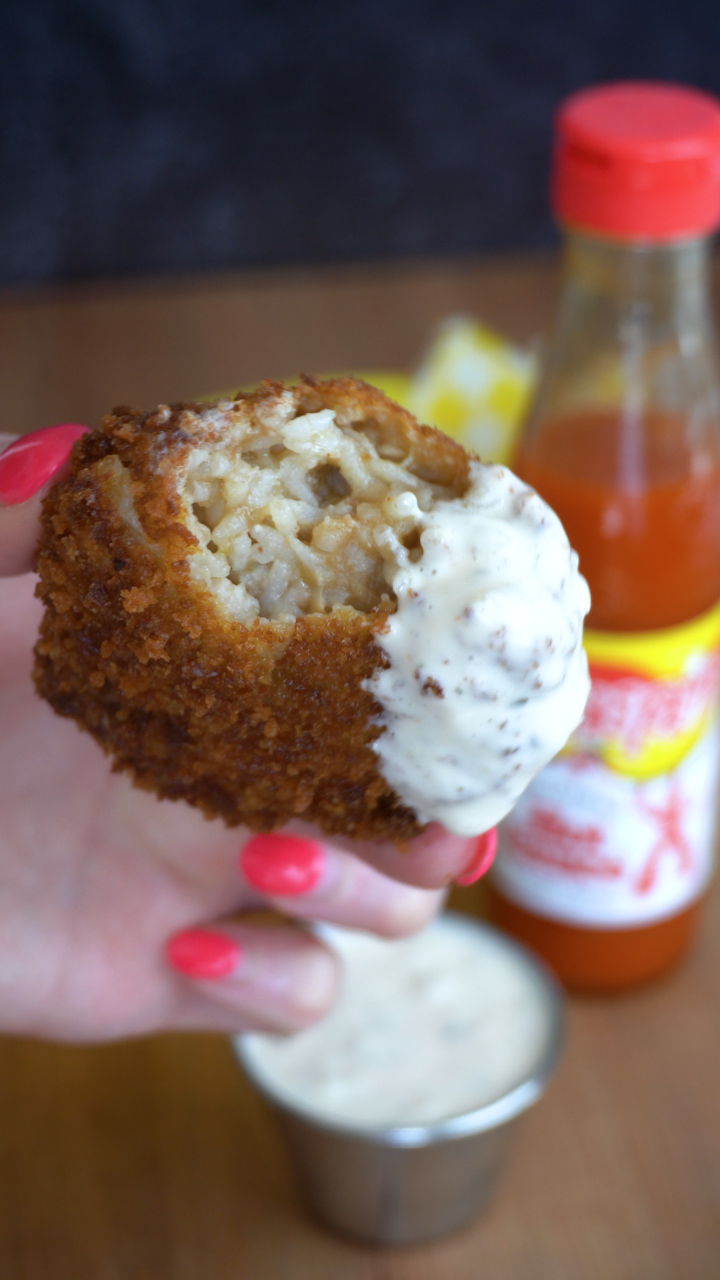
[{"x": 118, "y": 911}]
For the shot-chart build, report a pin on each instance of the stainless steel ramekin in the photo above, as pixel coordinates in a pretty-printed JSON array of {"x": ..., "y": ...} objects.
[{"x": 405, "y": 1185}]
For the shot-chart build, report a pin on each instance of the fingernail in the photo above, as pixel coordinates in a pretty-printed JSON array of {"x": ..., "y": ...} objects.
[
  {"x": 282, "y": 866},
  {"x": 199, "y": 953},
  {"x": 28, "y": 463},
  {"x": 482, "y": 859}
]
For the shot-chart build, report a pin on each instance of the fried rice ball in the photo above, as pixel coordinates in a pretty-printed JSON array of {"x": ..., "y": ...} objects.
[{"x": 214, "y": 577}]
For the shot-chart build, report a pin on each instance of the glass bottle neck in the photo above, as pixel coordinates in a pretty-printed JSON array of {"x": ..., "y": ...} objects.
[
  {"x": 669, "y": 282},
  {"x": 634, "y": 334}
]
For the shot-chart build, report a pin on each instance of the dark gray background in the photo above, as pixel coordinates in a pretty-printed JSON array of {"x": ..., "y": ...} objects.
[{"x": 155, "y": 136}]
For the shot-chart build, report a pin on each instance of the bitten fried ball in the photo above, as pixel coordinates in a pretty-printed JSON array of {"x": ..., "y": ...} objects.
[{"x": 214, "y": 577}]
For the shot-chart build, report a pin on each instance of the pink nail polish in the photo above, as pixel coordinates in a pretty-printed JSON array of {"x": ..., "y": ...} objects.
[
  {"x": 482, "y": 859},
  {"x": 282, "y": 866},
  {"x": 28, "y": 463},
  {"x": 200, "y": 953}
]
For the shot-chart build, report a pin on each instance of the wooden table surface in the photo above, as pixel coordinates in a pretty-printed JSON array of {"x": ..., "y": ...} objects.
[{"x": 153, "y": 1160}]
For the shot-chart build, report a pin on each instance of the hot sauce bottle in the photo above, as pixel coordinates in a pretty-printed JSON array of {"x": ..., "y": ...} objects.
[{"x": 606, "y": 857}]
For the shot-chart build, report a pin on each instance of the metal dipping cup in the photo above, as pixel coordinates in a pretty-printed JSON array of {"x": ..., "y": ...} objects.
[{"x": 401, "y": 1186}]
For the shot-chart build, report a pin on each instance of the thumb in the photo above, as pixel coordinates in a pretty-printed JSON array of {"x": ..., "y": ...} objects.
[{"x": 28, "y": 465}]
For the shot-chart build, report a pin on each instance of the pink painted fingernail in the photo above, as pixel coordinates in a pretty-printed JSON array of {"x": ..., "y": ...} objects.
[
  {"x": 482, "y": 859},
  {"x": 200, "y": 953},
  {"x": 282, "y": 866},
  {"x": 28, "y": 463}
]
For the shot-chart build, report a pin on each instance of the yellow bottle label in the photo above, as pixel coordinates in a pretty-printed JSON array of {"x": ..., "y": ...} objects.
[
  {"x": 653, "y": 695},
  {"x": 619, "y": 828}
]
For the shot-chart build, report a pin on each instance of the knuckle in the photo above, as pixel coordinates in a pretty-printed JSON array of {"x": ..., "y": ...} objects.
[
  {"x": 315, "y": 988},
  {"x": 406, "y": 912}
]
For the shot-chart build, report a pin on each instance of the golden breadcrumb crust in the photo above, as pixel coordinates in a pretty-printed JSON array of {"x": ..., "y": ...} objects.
[{"x": 257, "y": 724}]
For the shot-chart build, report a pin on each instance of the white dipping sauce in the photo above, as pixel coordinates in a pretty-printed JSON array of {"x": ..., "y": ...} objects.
[
  {"x": 487, "y": 675},
  {"x": 425, "y": 1028}
]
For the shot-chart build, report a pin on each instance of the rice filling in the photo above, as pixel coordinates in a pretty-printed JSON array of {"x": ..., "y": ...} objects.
[{"x": 302, "y": 515}]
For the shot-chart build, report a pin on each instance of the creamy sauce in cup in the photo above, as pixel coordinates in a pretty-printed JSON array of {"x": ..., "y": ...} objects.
[{"x": 425, "y": 1028}]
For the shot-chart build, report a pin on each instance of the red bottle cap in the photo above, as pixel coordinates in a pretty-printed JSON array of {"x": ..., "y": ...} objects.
[{"x": 638, "y": 160}]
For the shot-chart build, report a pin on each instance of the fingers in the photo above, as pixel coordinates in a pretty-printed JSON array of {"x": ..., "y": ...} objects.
[
  {"x": 237, "y": 976},
  {"x": 233, "y": 976},
  {"x": 245, "y": 977},
  {"x": 432, "y": 860},
  {"x": 28, "y": 465},
  {"x": 314, "y": 881},
  {"x": 219, "y": 870}
]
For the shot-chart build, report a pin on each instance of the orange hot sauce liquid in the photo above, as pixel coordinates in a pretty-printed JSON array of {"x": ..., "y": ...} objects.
[{"x": 649, "y": 546}]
